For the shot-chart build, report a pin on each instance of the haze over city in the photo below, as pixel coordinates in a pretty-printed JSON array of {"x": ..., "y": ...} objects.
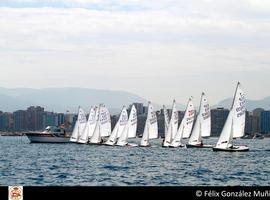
[{"x": 159, "y": 50}]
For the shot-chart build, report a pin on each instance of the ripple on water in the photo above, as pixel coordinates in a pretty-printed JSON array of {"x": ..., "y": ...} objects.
[{"x": 72, "y": 165}]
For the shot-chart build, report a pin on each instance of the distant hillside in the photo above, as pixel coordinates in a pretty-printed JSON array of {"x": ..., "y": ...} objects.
[
  {"x": 63, "y": 99},
  {"x": 251, "y": 104}
]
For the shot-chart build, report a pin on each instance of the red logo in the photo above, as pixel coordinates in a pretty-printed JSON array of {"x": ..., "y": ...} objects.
[{"x": 15, "y": 193}]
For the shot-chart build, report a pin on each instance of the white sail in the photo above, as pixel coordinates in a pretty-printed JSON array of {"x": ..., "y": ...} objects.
[
  {"x": 235, "y": 122},
  {"x": 130, "y": 128},
  {"x": 151, "y": 127},
  {"x": 225, "y": 139},
  {"x": 188, "y": 119},
  {"x": 166, "y": 120},
  {"x": 89, "y": 129},
  {"x": 92, "y": 123},
  {"x": 105, "y": 121},
  {"x": 79, "y": 126},
  {"x": 122, "y": 141},
  {"x": 185, "y": 126},
  {"x": 96, "y": 137},
  {"x": 75, "y": 132},
  {"x": 239, "y": 109},
  {"x": 119, "y": 127},
  {"x": 173, "y": 126},
  {"x": 202, "y": 126}
]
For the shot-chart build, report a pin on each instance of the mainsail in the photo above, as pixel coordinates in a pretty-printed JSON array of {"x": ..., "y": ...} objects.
[
  {"x": 188, "y": 119},
  {"x": 151, "y": 127},
  {"x": 185, "y": 126},
  {"x": 79, "y": 126},
  {"x": 90, "y": 126},
  {"x": 119, "y": 127},
  {"x": 103, "y": 126},
  {"x": 105, "y": 121},
  {"x": 166, "y": 120},
  {"x": 202, "y": 126},
  {"x": 130, "y": 128},
  {"x": 234, "y": 126},
  {"x": 173, "y": 126}
]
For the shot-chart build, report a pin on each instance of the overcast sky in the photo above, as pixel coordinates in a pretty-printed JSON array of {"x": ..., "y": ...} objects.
[{"x": 158, "y": 49}]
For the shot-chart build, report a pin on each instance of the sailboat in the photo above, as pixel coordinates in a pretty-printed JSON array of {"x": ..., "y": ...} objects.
[
  {"x": 150, "y": 128},
  {"x": 129, "y": 130},
  {"x": 118, "y": 128},
  {"x": 166, "y": 120},
  {"x": 202, "y": 126},
  {"x": 103, "y": 126},
  {"x": 90, "y": 126},
  {"x": 172, "y": 127},
  {"x": 234, "y": 126},
  {"x": 185, "y": 126},
  {"x": 79, "y": 126}
]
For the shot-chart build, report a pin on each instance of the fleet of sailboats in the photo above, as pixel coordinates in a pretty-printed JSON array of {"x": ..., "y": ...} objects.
[{"x": 194, "y": 127}]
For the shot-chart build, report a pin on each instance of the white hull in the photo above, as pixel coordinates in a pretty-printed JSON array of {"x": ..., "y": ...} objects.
[
  {"x": 128, "y": 145},
  {"x": 47, "y": 139},
  {"x": 175, "y": 145},
  {"x": 233, "y": 149}
]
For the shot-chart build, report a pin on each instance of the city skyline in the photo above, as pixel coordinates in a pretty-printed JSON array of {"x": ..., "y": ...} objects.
[
  {"x": 36, "y": 118},
  {"x": 156, "y": 49}
]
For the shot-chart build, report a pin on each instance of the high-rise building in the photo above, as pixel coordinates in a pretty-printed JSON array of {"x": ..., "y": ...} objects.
[
  {"x": 180, "y": 116},
  {"x": 252, "y": 123},
  {"x": 60, "y": 118},
  {"x": 20, "y": 120},
  {"x": 218, "y": 119},
  {"x": 139, "y": 108},
  {"x": 256, "y": 113},
  {"x": 141, "y": 119},
  {"x": 35, "y": 118},
  {"x": 265, "y": 121},
  {"x": 145, "y": 109},
  {"x": 248, "y": 123},
  {"x": 50, "y": 119},
  {"x": 6, "y": 121}
]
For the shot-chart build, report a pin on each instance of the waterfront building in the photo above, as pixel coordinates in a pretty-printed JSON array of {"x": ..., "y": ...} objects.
[
  {"x": 265, "y": 121},
  {"x": 218, "y": 118},
  {"x": 20, "y": 120},
  {"x": 139, "y": 108},
  {"x": 35, "y": 118},
  {"x": 50, "y": 119},
  {"x": 6, "y": 121}
]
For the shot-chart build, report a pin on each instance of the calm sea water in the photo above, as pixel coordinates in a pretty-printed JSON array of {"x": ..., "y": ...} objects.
[{"x": 71, "y": 164}]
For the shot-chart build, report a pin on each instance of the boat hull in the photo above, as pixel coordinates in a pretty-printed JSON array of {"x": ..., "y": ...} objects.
[
  {"x": 198, "y": 146},
  {"x": 176, "y": 146},
  {"x": 233, "y": 149},
  {"x": 145, "y": 145},
  {"x": 47, "y": 138},
  {"x": 128, "y": 145}
]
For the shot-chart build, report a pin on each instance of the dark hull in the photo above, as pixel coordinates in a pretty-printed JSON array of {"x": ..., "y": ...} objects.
[
  {"x": 234, "y": 149},
  {"x": 198, "y": 146}
]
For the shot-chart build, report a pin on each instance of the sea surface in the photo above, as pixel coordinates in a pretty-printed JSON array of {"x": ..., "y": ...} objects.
[{"x": 28, "y": 164}]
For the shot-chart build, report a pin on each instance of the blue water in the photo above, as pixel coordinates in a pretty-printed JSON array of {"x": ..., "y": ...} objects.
[{"x": 22, "y": 163}]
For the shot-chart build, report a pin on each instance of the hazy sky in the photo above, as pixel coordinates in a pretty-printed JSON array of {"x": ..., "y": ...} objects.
[{"x": 158, "y": 49}]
